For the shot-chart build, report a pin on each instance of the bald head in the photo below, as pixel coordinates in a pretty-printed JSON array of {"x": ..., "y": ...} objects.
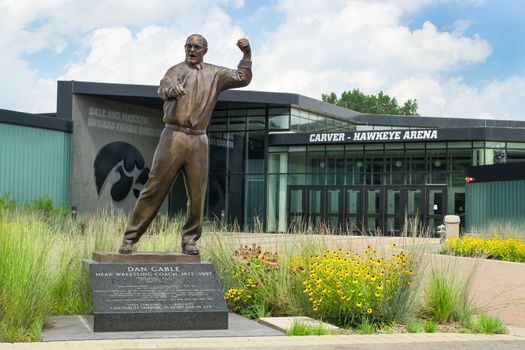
[
  {"x": 198, "y": 37},
  {"x": 196, "y": 47}
]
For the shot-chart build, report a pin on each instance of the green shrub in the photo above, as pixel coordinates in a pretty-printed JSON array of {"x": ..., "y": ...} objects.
[
  {"x": 366, "y": 327},
  {"x": 413, "y": 326},
  {"x": 430, "y": 326},
  {"x": 45, "y": 206},
  {"x": 489, "y": 325},
  {"x": 6, "y": 201}
]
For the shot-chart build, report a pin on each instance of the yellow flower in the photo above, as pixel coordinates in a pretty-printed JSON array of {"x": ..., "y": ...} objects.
[
  {"x": 369, "y": 311},
  {"x": 359, "y": 304}
]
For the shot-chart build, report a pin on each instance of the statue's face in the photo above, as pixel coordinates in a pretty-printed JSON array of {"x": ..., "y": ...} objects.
[{"x": 195, "y": 50}]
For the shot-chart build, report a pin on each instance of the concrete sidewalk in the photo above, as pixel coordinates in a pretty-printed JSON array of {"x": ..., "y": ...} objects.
[{"x": 383, "y": 341}]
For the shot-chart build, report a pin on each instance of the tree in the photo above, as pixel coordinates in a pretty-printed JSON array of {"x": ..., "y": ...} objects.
[{"x": 380, "y": 104}]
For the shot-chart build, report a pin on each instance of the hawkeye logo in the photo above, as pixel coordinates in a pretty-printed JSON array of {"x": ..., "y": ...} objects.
[{"x": 124, "y": 160}]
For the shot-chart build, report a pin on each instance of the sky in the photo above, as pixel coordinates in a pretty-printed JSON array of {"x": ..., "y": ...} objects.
[{"x": 458, "y": 58}]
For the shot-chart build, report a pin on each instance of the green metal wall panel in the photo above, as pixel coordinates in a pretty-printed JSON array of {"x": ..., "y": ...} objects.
[
  {"x": 34, "y": 163},
  {"x": 494, "y": 203}
]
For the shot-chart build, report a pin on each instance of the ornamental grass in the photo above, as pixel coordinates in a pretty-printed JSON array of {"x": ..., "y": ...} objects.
[{"x": 260, "y": 283}]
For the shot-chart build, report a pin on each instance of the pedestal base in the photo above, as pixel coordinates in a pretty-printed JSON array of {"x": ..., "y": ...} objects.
[{"x": 155, "y": 292}]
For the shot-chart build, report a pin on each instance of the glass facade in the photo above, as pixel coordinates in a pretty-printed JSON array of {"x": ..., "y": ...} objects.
[
  {"x": 343, "y": 187},
  {"x": 373, "y": 186},
  {"x": 237, "y": 166}
]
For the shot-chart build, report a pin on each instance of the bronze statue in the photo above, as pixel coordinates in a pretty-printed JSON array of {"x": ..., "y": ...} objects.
[{"x": 190, "y": 90}]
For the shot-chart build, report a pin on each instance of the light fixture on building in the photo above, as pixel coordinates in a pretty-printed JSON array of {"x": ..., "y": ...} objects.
[
  {"x": 398, "y": 163},
  {"x": 359, "y": 164},
  {"x": 437, "y": 163},
  {"x": 321, "y": 164}
]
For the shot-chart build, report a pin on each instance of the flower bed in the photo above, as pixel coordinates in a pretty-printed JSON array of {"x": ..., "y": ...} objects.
[
  {"x": 345, "y": 289},
  {"x": 491, "y": 248}
]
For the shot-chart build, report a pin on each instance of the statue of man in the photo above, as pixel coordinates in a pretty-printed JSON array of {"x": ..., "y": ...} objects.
[{"x": 190, "y": 90}]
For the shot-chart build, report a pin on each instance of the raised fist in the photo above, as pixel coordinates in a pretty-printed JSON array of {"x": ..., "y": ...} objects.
[{"x": 244, "y": 45}]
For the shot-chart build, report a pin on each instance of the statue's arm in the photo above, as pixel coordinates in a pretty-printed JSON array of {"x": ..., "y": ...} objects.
[
  {"x": 231, "y": 78},
  {"x": 170, "y": 87}
]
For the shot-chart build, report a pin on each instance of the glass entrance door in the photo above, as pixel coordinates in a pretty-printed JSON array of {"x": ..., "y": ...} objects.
[
  {"x": 315, "y": 207},
  {"x": 373, "y": 210},
  {"x": 414, "y": 209},
  {"x": 394, "y": 213},
  {"x": 353, "y": 210},
  {"x": 333, "y": 215},
  {"x": 436, "y": 206},
  {"x": 296, "y": 208},
  {"x": 403, "y": 209}
]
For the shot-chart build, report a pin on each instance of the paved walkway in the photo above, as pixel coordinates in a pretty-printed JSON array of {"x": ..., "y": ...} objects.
[{"x": 386, "y": 341}]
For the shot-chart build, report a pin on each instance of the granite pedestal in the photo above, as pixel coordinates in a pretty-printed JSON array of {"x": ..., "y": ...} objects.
[{"x": 155, "y": 292}]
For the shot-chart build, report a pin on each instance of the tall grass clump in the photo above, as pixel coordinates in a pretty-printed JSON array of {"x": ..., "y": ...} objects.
[
  {"x": 489, "y": 325},
  {"x": 42, "y": 269},
  {"x": 500, "y": 229},
  {"x": 447, "y": 298},
  {"x": 26, "y": 277},
  {"x": 299, "y": 328},
  {"x": 260, "y": 283}
]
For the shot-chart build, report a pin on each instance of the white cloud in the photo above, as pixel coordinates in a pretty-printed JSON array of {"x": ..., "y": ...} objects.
[
  {"x": 353, "y": 37},
  {"x": 127, "y": 41},
  {"x": 319, "y": 47},
  {"x": 342, "y": 45}
]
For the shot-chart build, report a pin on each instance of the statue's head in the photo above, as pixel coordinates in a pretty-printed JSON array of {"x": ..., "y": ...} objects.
[{"x": 196, "y": 47}]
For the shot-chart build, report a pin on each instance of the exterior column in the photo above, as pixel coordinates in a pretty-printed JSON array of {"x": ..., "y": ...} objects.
[
  {"x": 283, "y": 187},
  {"x": 272, "y": 189}
]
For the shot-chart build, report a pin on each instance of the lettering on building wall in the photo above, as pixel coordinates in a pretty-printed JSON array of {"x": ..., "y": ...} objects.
[
  {"x": 122, "y": 122},
  {"x": 359, "y": 136},
  {"x": 328, "y": 137}
]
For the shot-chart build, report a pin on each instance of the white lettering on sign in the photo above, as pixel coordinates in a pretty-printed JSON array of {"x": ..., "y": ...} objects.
[
  {"x": 377, "y": 136},
  {"x": 328, "y": 137},
  {"x": 393, "y": 135},
  {"x": 420, "y": 135}
]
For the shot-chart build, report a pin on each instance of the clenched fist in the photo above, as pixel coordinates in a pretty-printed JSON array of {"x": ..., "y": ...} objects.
[{"x": 244, "y": 46}]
